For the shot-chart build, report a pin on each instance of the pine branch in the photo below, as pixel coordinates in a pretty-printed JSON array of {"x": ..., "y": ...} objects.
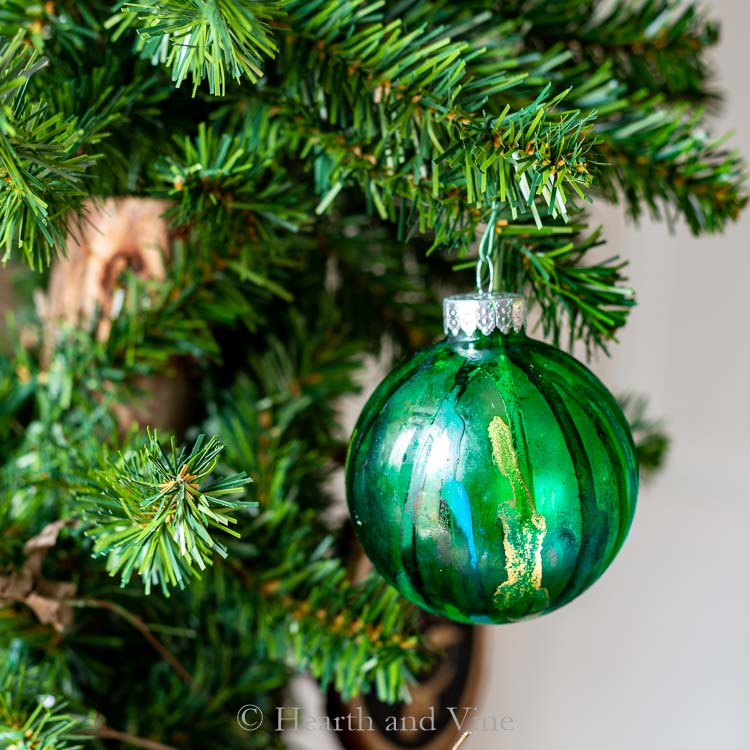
[
  {"x": 445, "y": 192},
  {"x": 202, "y": 39},
  {"x": 651, "y": 439},
  {"x": 154, "y": 512},
  {"x": 585, "y": 299},
  {"x": 234, "y": 186},
  {"x": 355, "y": 638},
  {"x": 118, "y": 108},
  {"x": 661, "y": 158},
  {"x": 383, "y": 287},
  {"x": 35, "y": 477},
  {"x": 280, "y": 424},
  {"x": 50, "y": 145},
  {"x": 653, "y": 153},
  {"x": 107, "y": 733},
  {"x": 68, "y": 405},
  {"x": 30, "y": 715},
  {"x": 40, "y": 163},
  {"x": 153, "y": 322},
  {"x": 143, "y": 629},
  {"x": 416, "y": 117},
  {"x": 658, "y": 45},
  {"x": 307, "y": 613},
  {"x": 60, "y": 29},
  {"x": 16, "y": 390}
]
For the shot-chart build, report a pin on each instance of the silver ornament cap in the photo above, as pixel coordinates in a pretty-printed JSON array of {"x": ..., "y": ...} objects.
[{"x": 483, "y": 313}]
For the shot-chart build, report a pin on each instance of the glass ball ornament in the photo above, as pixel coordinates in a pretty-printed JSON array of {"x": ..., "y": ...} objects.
[{"x": 491, "y": 477}]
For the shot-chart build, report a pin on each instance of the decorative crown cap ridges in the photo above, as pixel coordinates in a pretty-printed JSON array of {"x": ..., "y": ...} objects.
[{"x": 484, "y": 312}]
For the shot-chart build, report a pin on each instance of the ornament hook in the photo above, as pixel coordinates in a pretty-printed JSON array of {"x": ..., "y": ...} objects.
[
  {"x": 486, "y": 253},
  {"x": 481, "y": 263}
]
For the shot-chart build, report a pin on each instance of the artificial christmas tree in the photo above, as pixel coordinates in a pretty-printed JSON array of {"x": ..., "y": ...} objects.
[{"x": 252, "y": 197}]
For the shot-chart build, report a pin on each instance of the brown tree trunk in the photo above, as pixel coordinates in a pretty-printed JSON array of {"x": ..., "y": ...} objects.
[{"x": 116, "y": 235}]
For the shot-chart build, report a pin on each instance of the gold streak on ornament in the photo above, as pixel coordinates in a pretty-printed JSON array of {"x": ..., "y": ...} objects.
[
  {"x": 507, "y": 460},
  {"x": 523, "y": 556},
  {"x": 522, "y": 539}
]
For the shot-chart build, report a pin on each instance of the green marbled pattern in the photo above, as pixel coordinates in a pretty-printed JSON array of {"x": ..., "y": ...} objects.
[{"x": 491, "y": 478}]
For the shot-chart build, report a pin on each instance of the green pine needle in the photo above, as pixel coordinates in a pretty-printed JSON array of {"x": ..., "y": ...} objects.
[
  {"x": 203, "y": 39},
  {"x": 41, "y": 166},
  {"x": 156, "y": 511},
  {"x": 30, "y": 716}
]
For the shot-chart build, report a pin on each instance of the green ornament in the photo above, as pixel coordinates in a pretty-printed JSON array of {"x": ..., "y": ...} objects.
[{"x": 491, "y": 477}]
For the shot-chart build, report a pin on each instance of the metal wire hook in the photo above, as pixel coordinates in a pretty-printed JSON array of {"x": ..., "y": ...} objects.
[
  {"x": 491, "y": 281},
  {"x": 486, "y": 251}
]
